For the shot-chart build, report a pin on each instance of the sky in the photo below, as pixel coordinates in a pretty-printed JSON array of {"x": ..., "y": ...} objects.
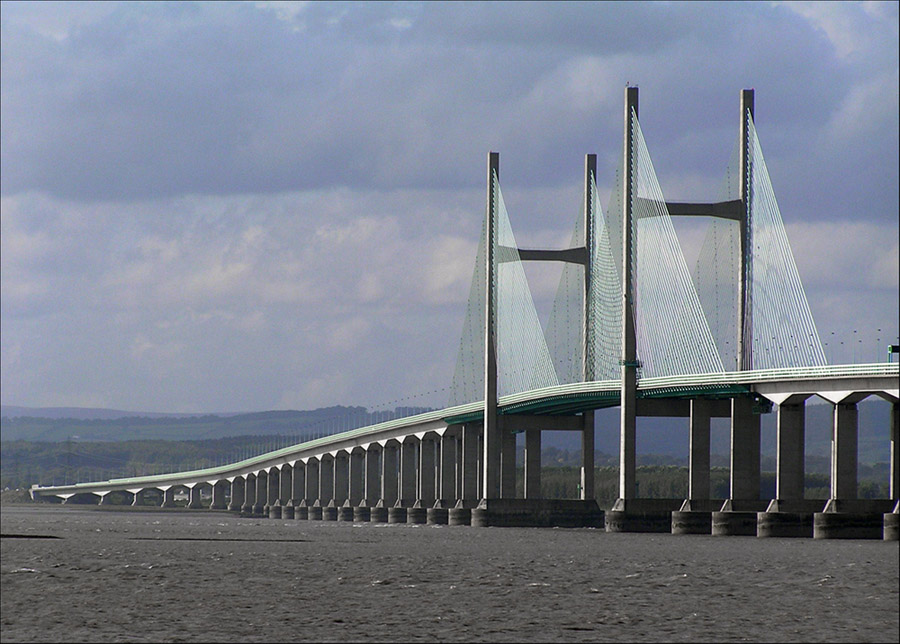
[{"x": 272, "y": 205}]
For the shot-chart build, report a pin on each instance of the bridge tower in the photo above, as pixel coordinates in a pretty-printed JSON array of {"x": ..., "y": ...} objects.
[
  {"x": 498, "y": 462},
  {"x": 629, "y": 513}
]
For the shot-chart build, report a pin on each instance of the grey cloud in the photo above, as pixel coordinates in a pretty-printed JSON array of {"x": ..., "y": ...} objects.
[{"x": 163, "y": 100}]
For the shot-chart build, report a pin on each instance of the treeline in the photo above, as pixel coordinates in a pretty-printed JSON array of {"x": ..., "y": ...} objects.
[{"x": 671, "y": 482}]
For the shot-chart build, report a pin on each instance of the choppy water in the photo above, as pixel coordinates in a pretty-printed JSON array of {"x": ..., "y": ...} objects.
[{"x": 209, "y": 576}]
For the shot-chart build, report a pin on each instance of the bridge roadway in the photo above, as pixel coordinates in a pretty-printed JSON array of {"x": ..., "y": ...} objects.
[{"x": 429, "y": 467}]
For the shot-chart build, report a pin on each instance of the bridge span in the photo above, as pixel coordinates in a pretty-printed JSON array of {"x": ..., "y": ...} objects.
[
  {"x": 632, "y": 328},
  {"x": 428, "y": 468}
]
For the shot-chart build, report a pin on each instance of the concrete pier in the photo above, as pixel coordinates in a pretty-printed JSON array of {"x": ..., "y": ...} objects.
[
  {"x": 852, "y": 519},
  {"x": 237, "y": 494},
  {"x": 535, "y": 513},
  {"x": 642, "y": 515}
]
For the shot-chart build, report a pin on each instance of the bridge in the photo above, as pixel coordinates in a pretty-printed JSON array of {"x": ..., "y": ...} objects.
[{"x": 632, "y": 328}]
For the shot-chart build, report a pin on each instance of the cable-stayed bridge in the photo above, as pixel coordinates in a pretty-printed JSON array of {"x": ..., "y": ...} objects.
[{"x": 631, "y": 326}]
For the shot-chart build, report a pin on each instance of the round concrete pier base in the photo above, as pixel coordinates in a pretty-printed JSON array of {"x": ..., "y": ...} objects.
[
  {"x": 362, "y": 514},
  {"x": 437, "y": 516},
  {"x": 287, "y": 512},
  {"x": 784, "y": 524},
  {"x": 315, "y": 513},
  {"x": 301, "y": 512},
  {"x": 260, "y": 510},
  {"x": 892, "y": 526},
  {"x": 417, "y": 515},
  {"x": 378, "y": 515},
  {"x": 734, "y": 524},
  {"x": 691, "y": 522},
  {"x": 617, "y": 521},
  {"x": 459, "y": 516},
  {"x": 345, "y": 513},
  {"x": 396, "y": 515},
  {"x": 329, "y": 513},
  {"x": 848, "y": 525},
  {"x": 274, "y": 511}
]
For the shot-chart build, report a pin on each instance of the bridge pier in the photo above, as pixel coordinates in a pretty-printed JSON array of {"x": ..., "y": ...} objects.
[
  {"x": 789, "y": 514},
  {"x": 470, "y": 467},
  {"x": 371, "y": 473},
  {"x": 262, "y": 493},
  {"x": 308, "y": 508},
  {"x": 448, "y": 466},
  {"x": 237, "y": 494},
  {"x": 168, "y": 500},
  {"x": 845, "y": 515},
  {"x": 426, "y": 481},
  {"x": 343, "y": 511},
  {"x": 194, "y": 503},
  {"x": 390, "y": 477},
  {"x": 695, "y": 514},
  {"x": 285, "y": 492},
  {"x": 738, "y": 515},
  {"x": 409, "y": 455},
  {"x": 298, "y": 488},
  {"x": 249, "y": 493},
  {"x": 326, "y": 488},
  {"x": 218, "y": 495},
  {"x": 272, "y": 508}
]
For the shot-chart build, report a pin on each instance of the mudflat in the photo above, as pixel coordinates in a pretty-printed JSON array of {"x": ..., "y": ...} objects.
[{"x": 86, "y": 574}]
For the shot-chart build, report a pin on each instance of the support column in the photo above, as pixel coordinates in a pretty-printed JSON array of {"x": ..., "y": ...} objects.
[
  {"x": 790, "y": 475},
  {"x": 343, "y": 511},
  {"x": 390, "y": 480},
  {"x": 218, "y": 495},
  {"x": 311, "y": 500},
  {"x": 698, "y": 481},
  {"x": 740, "y": 513},
  {"x": 532, "y": 463},
  {"x": 136, "y": 499},
  {"x": 587, "y": 457},
  {"x": 449, "y": 457},
  {"x": 168, "y": 498},
  {"x": 326, "y": 487},
  {"x": 427, "y": 474},
  {"x": 249, "y": 494},
  {"x": 373, "y": 475},
  {"x": 357, "y": 476},
  {"x": 262, "y": 492},
  {"x": 744, "y": 450},
  {"x": 298, "y": 485},
  {"x": 237, "y": 494},
  {"x": 507, "y": 463},
  {"x": 408, "y": 461},
  {"x": 195, "y": 503},
  {"x": 390, "y": 459},
  {"x": 287, "y": 488},
  {"x": 341, "y": 478},
  {"x": 471, "y": 448},
  {"x": 272, "y": 508},
  {"x": 844, "y": 440},
  {"x": 695, "y": 514}
]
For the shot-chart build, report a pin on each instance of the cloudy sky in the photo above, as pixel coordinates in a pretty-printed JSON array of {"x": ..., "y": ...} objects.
[{"x": 251, "y": 206}]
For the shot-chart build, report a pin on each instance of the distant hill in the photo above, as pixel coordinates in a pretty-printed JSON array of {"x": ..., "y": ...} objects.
[
  {"x": 105, "y": 425},
  {"x": 86, "y": 413},
  {"x": 658, "y": 436}
]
